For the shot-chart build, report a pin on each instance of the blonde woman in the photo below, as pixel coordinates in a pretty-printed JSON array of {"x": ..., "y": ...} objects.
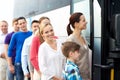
[
  {"x": 50, "y": 57},
  {"x": 36, "y": 41}
]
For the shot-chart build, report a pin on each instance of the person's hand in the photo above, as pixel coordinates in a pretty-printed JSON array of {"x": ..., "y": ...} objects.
[
  {"x": 2, "y": 55},
  {"x": 11, "y": 68},
  {"x": 39, "y": 72},
  {"x": 27, "y": 75},
  {"x": 56, "y": 78}
]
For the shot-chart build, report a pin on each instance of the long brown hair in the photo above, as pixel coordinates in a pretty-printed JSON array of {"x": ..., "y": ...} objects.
[{"x": 75, "y": 17}]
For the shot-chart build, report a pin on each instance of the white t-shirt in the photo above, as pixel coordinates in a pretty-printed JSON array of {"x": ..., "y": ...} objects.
[{"x": 2, "y": 38}]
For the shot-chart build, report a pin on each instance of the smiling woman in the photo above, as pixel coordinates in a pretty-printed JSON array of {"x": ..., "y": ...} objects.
[{"x": 6, "y": 11}]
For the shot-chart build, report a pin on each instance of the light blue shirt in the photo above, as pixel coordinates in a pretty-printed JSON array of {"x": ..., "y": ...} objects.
[{"x": 25, "y": 54}]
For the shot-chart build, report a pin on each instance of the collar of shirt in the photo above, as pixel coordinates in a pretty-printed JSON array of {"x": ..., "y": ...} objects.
[{"x": 71, "y": 63}]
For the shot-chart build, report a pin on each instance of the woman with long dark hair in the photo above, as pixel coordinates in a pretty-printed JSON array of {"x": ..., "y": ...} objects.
[{"x": 77, "y": 23}]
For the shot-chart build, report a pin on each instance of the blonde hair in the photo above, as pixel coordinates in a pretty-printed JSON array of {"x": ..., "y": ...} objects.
[{"x": 41, "y": 31}]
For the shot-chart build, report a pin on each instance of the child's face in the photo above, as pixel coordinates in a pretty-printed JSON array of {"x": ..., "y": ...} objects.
[{"x": 76, "y": 55}]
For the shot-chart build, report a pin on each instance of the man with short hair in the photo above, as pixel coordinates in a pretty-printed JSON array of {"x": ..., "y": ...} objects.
[
  {"x": 17, "y": 41},
  {"x": 26, "y": 64}
]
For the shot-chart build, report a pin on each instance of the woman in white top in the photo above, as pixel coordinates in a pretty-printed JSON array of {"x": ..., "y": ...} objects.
[{"x": 50, "y": 57}]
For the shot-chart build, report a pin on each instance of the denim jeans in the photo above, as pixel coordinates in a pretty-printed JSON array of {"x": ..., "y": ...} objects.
[
  {"x": 10, "y": 75},
  {"x": 19, "y": 71}
]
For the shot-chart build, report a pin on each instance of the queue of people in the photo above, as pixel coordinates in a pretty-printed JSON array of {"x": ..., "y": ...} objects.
[{"x": 40, "y": 55}]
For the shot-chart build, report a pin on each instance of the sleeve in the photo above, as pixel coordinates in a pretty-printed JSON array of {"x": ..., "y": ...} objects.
[
  {"x": 24, "y": 58},
  {"x": 34, "y": 52},
  {"x": 42, "y": 59},
  {"x": 12, "y": 45},
  {"x": 7, "y": 40}
]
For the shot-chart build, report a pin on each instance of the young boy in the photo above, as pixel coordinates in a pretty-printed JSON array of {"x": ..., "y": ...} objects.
[{"x": 71, "y": 52}]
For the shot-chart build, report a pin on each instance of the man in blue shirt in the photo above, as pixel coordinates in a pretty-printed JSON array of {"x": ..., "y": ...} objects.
[
  {"x": 27, "y": 67},
  {"x": 17, "y": 41}
]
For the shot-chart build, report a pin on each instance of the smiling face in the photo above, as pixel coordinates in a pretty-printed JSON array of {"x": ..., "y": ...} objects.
[
  {"x": 47, "y": 32},
  {"x": 22, "y": 24},
  {"x": 4, "y": 26},
  {"x": 15, "y": 26},
  {"x": 35, "y": 26}
]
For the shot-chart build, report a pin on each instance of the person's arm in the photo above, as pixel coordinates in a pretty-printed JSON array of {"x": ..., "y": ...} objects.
[
  {"x": 9, "y": 60},
  {"x": 10, "y": 50},
  {"x": 6, "y": 50},
  {"x": 56, "y": 78},
  {"x": 34, "y": 52},
  {"x": 6, "y": 44},
  {"x": 24, "y": 58}
]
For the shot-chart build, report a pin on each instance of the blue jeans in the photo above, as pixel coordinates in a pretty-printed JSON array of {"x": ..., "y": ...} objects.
[
  {"x": 10, "y": 75},
  {"x": 19, "y": 71}
]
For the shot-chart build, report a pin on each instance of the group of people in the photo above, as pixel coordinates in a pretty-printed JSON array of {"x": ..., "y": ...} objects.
[{"x": 40, "y": 55}]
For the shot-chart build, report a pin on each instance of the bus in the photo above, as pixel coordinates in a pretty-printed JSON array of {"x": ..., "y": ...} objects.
[{"x": 102, "y": 33}]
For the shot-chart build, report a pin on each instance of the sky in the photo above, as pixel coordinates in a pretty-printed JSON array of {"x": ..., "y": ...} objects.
[{"x": 6, "y": 11}]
